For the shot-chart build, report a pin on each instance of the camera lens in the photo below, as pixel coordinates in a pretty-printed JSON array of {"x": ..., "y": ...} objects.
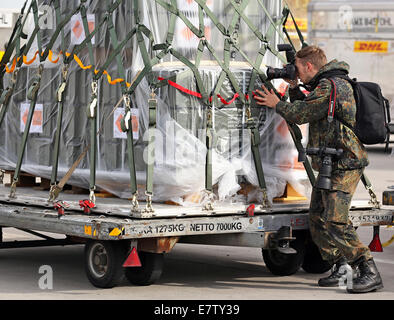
[{"x": 288, "y": 72}]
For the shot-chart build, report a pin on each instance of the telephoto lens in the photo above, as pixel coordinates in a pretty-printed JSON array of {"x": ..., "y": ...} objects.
[{"x": 324, "y": 179}]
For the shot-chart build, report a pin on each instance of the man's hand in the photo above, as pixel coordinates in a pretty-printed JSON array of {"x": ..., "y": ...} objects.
[{"x": 266, "y": 98}]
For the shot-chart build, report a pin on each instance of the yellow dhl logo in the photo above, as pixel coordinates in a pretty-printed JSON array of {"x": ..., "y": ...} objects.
[
  {"x": 301, "y": 23},
  {"x": 371, "y": 46}
]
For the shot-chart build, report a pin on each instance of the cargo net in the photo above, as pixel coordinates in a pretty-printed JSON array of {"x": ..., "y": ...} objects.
[{"x": 149, "y": 100}]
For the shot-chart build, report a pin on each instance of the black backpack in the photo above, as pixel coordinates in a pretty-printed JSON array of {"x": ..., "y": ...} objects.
[{"x": 373, "y": 113}]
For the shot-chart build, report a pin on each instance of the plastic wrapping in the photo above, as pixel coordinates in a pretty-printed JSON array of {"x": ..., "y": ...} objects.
[{"x": 180, "y": 150}]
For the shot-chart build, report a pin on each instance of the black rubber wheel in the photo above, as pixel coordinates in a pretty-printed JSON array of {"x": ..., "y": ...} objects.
[
  {"x": 150, "y": 270},
  {"x": 103, "y": 262},
  {"x": 313, "y": 262},
  {"x": 285, "y": 264}
]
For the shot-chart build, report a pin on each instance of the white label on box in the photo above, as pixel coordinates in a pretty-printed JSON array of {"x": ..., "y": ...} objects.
[
  {"x": 6, "y": 20},
  {"x": 38, "y": 118},
  {"x": 77, "y": 30},
  {"x": 118, "y": 116},
  {"x": 184, "y": 37}
]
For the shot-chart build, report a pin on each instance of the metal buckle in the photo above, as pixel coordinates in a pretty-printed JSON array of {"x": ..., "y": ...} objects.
[
  {"x": 148, "y": 207},
  {"x": 92, "y": 197},
  {"x": 374, "y": 200},
  {"x": 208, "y": 206},
  {"x": 53, "y": 192},
  {"x": 134, "y": 202},
  {"x": 13, "y": 190},
  {"x": 265, "y": 204}
]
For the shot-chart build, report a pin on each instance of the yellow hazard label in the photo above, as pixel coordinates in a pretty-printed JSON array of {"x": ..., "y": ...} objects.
[
  {"x": 116, "y": 232},
  {"x": 371, "y": 46},
  {"x": 88, "y": 230}
]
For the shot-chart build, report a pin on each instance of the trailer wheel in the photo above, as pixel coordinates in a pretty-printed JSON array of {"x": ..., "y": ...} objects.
[
  {"x": 313, "y": 262},
  {"x": 285, "y": 264},
  {"x": 103, "y": 262},
  {"x": 150, "y": 270}
]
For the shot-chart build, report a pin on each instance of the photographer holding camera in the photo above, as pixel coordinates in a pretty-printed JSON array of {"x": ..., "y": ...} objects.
[{"x": 336, "y": 153}]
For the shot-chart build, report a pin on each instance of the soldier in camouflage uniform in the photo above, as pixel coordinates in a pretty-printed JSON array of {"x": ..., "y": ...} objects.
[{"x": 330, "y": 227}]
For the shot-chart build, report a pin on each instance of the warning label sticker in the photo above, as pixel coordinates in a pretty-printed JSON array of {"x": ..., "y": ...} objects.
[
  {"x": 118, "y": 116},
  {"x": 185, "y": 38},
  {"x": 37, "y": 121},
  {"x": 77, "y": 30}
]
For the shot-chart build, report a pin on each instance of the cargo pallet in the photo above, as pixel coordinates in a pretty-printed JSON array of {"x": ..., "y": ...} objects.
[{"x": 121, "y": 242}]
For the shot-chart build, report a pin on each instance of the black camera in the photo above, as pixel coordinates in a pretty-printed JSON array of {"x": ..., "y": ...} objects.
[
  {"x": 326, "y": 154},
  {"x": 289, "y": 70}
]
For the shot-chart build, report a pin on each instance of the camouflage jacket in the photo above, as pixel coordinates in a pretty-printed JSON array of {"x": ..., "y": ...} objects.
[{"x": 313, "y": 109}]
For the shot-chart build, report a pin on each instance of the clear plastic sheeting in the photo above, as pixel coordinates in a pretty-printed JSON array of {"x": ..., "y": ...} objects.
[{"x": 180, "y": 148}]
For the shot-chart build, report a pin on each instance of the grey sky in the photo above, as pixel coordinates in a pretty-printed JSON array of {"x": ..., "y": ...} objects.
[{"x": 11, "y": 4}]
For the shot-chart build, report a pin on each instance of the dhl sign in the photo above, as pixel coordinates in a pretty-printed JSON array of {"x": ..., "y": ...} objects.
[{"x": 371, "y": 46}]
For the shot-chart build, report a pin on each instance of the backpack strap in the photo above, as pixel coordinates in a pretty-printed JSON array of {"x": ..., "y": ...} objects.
[
  {"x": 331, "y": 109},
  {"x": 330, "y": 118},
  {"x": 388, "y": 119},
  {"x": 332, "y": 104},
  {"x": 351, "y": 81}
]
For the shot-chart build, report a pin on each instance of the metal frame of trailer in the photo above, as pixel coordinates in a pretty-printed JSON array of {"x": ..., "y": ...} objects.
[{"x": 118, "y": 243}]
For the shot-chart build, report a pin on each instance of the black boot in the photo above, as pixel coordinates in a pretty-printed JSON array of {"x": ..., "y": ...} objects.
[
  {"x": 368, "y": 280},
  {"x": 339, "y": 271}
]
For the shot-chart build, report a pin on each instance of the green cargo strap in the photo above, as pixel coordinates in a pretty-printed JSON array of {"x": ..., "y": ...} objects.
[
  {"x": 297, "y": 138},
  {"x": 115, "y": 44},
  {"x": 89, "y": 36},
  {"x": 59, "y": 187},
  {"x": 251, "y": 123},
  {"x": 174, "y": 10},
  {"x": 286, "y": 11},
  {"x": 126, "y": 123},
  {"x": 91, "y": 109},
  {"x": 60, "y": 29},
  {"x": 117, "y": 48},
  {"x": 14, "y": 41},
  {"x": 6, "y": 96},
  {"x": 294, "y": 129},
  {"x": 255, "y": 143},
  {"x": 253, "y": 28},
  {"x": 152, "y": 103},
  {"x": 273, "y": 25},
  {"x": 374, "y": 200},
  {"x": 60, "y": 104},
  {"x": 212, "y": 16},
  {"x": 36, "y": 22},
  {"x": 164, "y": 47},
  {"x": 299, "y": 33},
  {"x": 91, "y": 112},
  {"x": 200, "y": 84},
  {"x": 87, "y": 32},
  {"x": 32, "y": 96},
  {"x": 127, "y": 126}
]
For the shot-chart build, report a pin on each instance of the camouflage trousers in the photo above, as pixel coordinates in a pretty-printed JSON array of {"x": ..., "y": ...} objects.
[{"x": 329, "y": 223}]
